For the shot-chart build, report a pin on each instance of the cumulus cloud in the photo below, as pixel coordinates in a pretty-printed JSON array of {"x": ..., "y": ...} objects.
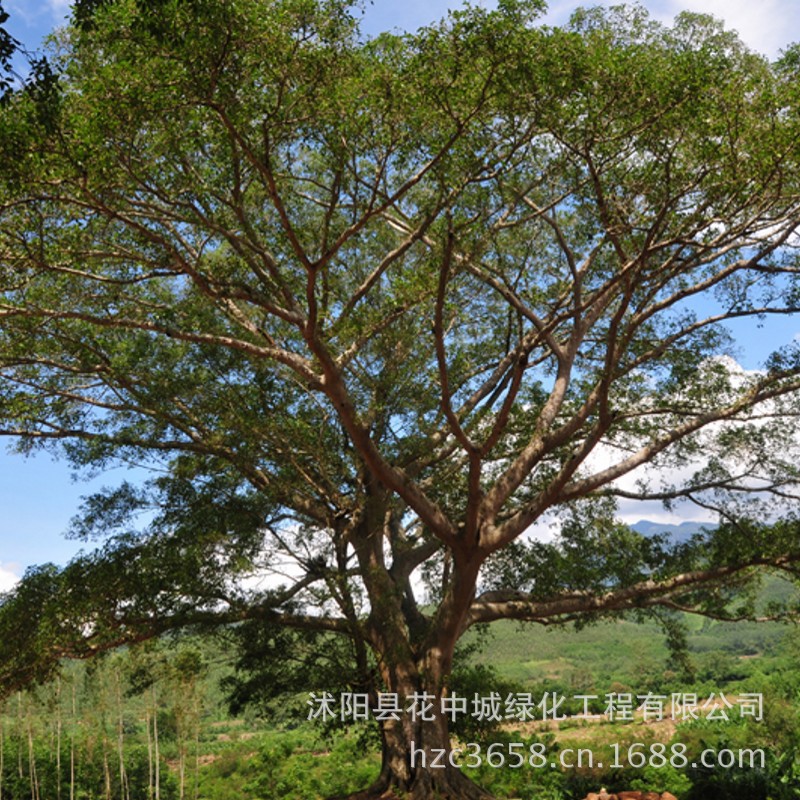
[
  {"x": 33, "y": 19},
  {"x": 631, "y": 510},
  {"x": 765, "y": 27},
  {"x": 59, "y": 8},
  {"x": 8, "y": 576}
]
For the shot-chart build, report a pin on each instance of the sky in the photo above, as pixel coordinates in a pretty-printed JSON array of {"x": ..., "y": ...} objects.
[
  {"x": 38, "y": 496},
  {"x": 767, "y": 25}
]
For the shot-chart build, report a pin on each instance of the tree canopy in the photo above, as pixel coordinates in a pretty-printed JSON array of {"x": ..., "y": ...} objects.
[{"x": 371, "y": 308}]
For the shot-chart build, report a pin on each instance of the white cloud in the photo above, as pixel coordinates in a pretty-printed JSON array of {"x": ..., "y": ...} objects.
[
  {"x": 631, "y": 510},
  {"x": 8, "y": 576},
  {"x": 765, "y": 27},
  {"x": 59, "y": 9}
]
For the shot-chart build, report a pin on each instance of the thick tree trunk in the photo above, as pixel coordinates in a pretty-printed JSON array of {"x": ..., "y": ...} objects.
[
  {"x": 415, "y": 657},
  {"x": 419, "y": 768},
  {"x": 418, "y": 761},
  {"x": 423, "y": 767}
]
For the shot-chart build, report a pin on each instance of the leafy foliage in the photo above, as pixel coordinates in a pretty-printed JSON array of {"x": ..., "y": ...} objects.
[{"x": 374, "y": 308}]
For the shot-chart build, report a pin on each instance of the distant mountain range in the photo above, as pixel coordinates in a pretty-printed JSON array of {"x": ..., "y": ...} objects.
[{"x": 677, "y": 533}]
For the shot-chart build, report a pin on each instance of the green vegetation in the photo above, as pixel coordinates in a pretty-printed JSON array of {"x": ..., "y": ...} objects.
[
  {"x": 370, "y": 310},
  {"x": 98, "y": 732}
]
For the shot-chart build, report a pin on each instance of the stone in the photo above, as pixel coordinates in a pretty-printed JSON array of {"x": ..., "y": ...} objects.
[{"x": 630, "y": 795}]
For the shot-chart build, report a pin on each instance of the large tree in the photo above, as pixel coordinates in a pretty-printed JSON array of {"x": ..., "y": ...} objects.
[{"x": 370, "y": 309}]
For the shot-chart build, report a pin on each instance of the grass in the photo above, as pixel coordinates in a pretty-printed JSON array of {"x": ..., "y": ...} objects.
[{"x": 625, "y": 652}]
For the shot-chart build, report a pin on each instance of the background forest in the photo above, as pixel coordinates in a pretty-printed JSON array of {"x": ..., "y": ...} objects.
[{"x": 154, "y": 721}]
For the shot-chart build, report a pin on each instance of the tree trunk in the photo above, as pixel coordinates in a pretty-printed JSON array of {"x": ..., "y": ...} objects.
[
  {"x": 20, "y": 727},
  {"x": 181, "y": 771},
  {"x": 415, "y": 657},
  {"x": 422, "y": 767},
  {"x": 2, "y": 748},
  {"x": 150, "y": 770},
  {"x": 124, "y": 792},
  {"x": 417, "y": 758},
  {"x": 73, "y": 724},
  {"x": 156, "y": 754},
  {"x": 58, "y": 738},
  {"x": 106, "y": 769},
  {"x": 32, "y": 762}
]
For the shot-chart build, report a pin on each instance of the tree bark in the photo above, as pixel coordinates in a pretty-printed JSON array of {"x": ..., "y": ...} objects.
[
  {"x": 2, "y": 749},
  {"x": 422, "y": 767},
  {"x": 58, "y": 737},
  {"x": 417, "y": 757},
  {"x": 34, "y": 778},
  {"x": 414, "y": 657},
  {"x": 73, "y": 724},
  {"x": 418, "y": 762},
  {"x": 156, "y": 754},
  {"x": 124, "y": 790}
]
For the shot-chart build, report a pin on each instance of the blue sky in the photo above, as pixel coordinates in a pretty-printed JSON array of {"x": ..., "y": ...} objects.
[
  {"x": 38, "y": 496},
  {"x": 766, "y": 25}
]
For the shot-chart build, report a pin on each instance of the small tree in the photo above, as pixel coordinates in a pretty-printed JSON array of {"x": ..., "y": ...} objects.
[{"x": 372, "y": 309}]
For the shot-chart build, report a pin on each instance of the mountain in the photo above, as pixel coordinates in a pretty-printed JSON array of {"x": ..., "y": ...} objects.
[{"x": 677, "y": 533}]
